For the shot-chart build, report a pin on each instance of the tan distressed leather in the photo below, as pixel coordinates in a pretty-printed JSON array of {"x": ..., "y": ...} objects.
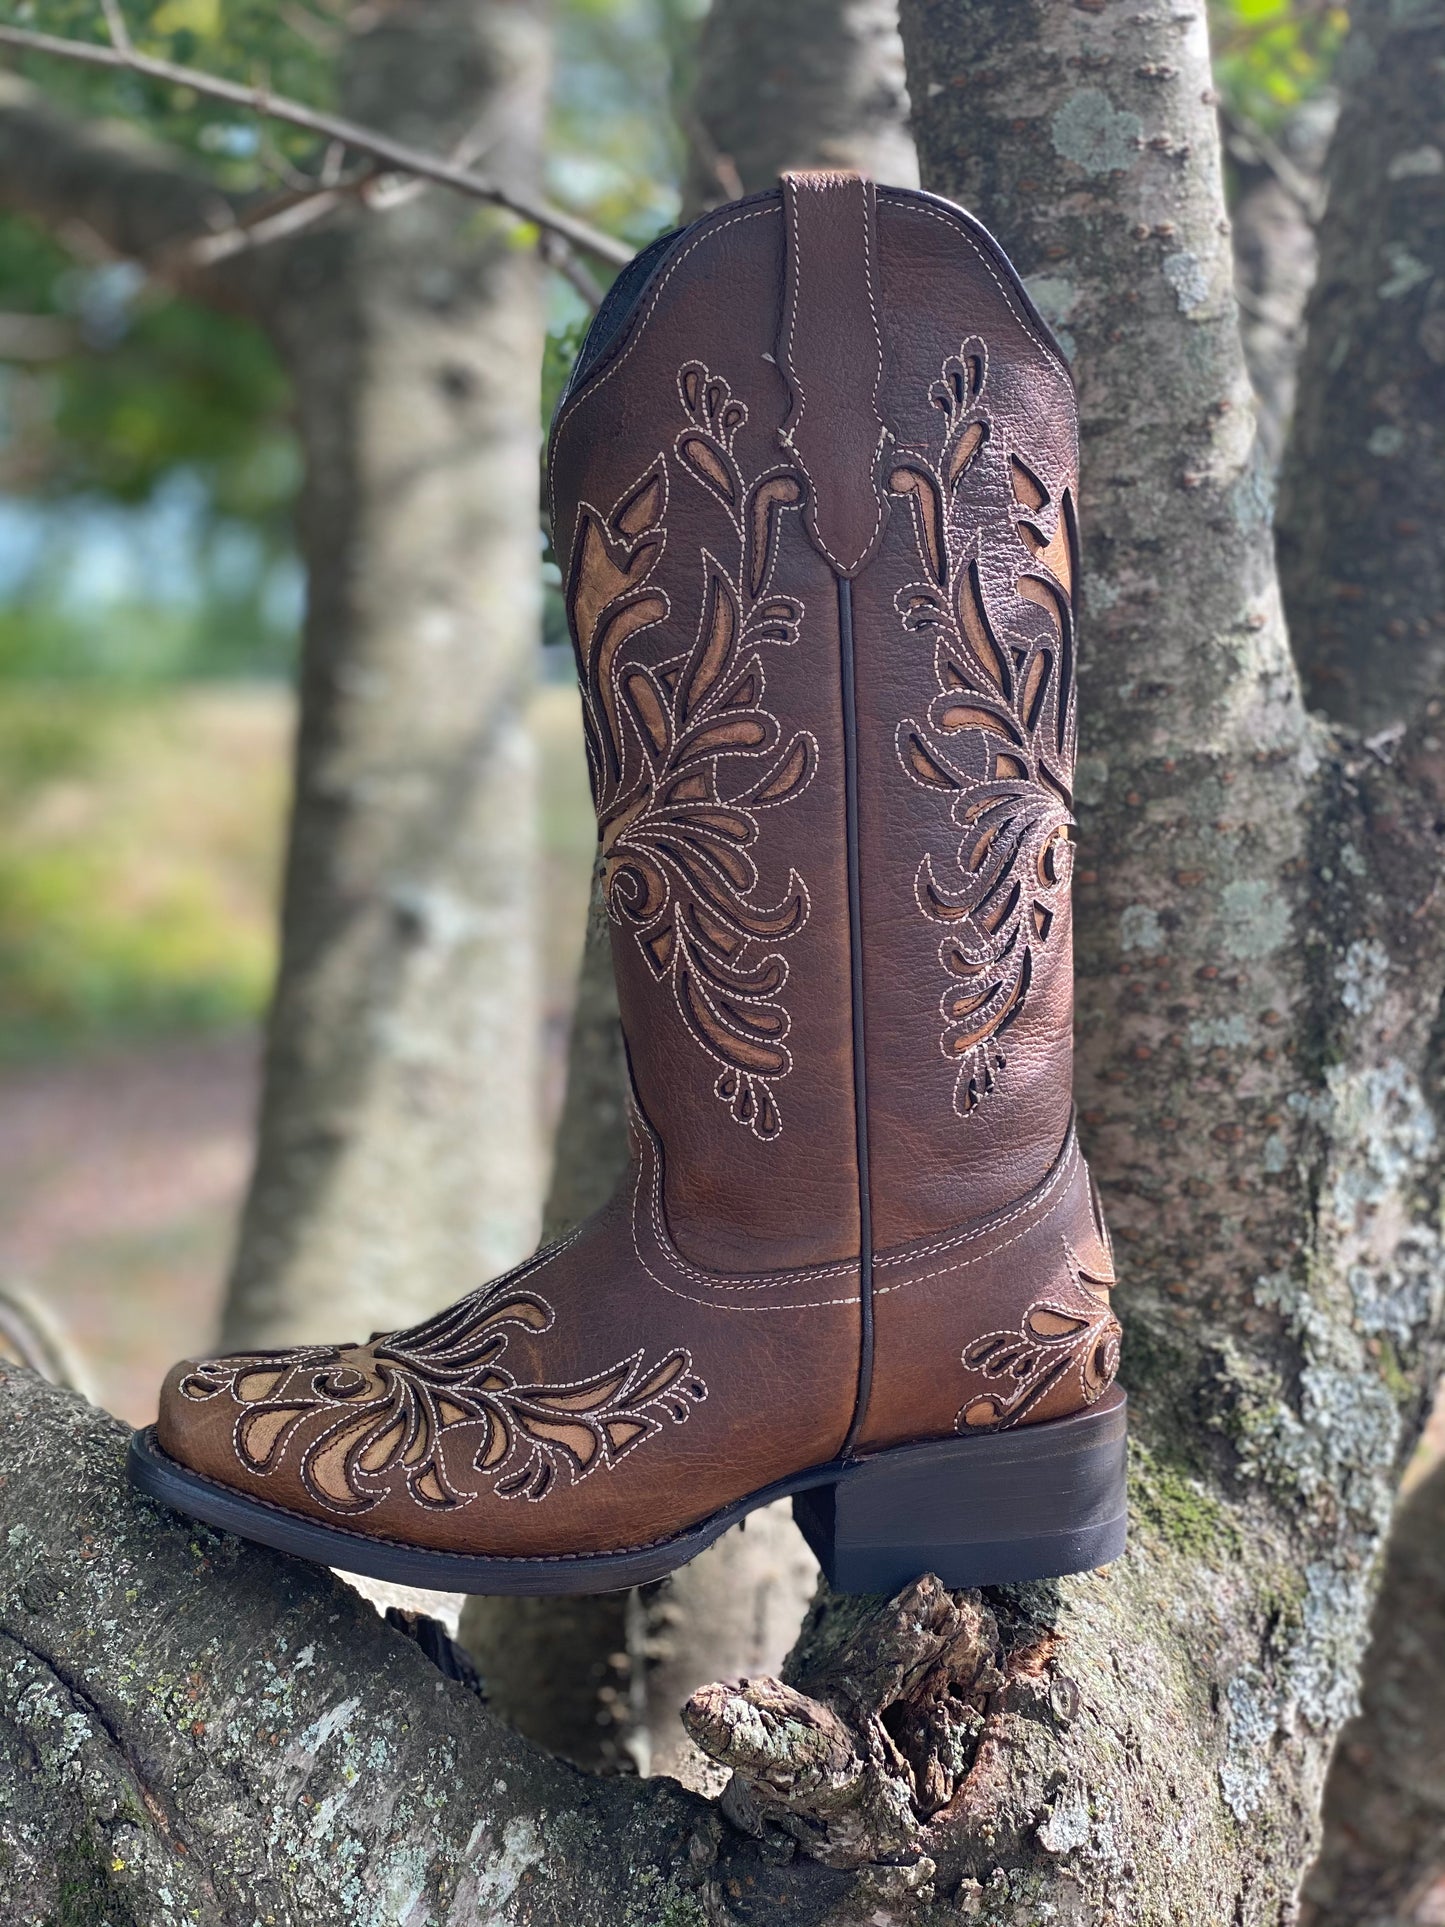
[{"x": 840, "y": 916}]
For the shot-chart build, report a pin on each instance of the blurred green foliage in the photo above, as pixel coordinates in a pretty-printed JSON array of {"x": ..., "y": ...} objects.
[
  {"x": 140, "y": 816},
  {"x": 1270, "y": 56},
  {"x": 151, "y": 388}
]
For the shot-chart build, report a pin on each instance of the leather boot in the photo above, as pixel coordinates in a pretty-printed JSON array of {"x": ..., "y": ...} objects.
[{"x": 813, "y": 486}]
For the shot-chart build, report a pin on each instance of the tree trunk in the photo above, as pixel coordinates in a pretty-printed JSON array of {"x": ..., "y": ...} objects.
[
  {"x": 1275, "y": 206},
  {"x": 1383, "y": 1863},
  {"x": 1363, "y": 491},
  {"x": 399, "y": 1160},
  {"x": 1370, "y": 631},
  {"x": 814, "y": 83},
  {"x": 1255, "y": 1014}
]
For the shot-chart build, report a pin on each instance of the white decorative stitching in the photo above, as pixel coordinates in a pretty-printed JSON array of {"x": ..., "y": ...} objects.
[
  {"x": 788, "y": 435},
  {"x": 638, "y": 325},
  {"x": 956, "y": 227},
  {"x": 715, "y": 1282}
]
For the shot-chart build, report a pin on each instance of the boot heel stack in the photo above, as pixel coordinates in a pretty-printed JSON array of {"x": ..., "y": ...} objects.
[{"x": 994, "y": 1510}]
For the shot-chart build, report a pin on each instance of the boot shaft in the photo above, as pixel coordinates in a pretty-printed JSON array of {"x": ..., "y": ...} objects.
[
  {"x": 812, "y": 496},
  {"x": 812, "y": 492}
]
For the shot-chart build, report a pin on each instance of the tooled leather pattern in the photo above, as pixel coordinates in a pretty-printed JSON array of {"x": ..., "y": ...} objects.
[
  {"x": 996, "y": 745},
  {"x": 686, "y": 759}
]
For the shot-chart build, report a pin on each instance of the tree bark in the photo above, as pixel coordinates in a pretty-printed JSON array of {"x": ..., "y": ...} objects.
[
  {"x": 1252, "y": 1049},
  {"x": 1274, "y": 210},
  {"x": 589, "y": 1154},
  {"x": 1363, "y": 491},
  {"x": 814, "y": 83},
  {"x": 400, "y": 1156},
  {"x": 1383, "y": 1863},
  {"x": 399, "y": 1159},
  {"x": 196, "y": 1730}
]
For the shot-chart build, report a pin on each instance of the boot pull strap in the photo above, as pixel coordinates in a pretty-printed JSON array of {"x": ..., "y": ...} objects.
[{"x": 830, "y": 353}]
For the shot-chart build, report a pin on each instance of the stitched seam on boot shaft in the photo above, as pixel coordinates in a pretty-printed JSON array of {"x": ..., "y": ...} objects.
[
  {"x": 788, "y": 434},
  {"x": 954, "y": 227},
  {"x": 641, "y": 320},
  {"x": 1063, "y": 1171},
  {"x": 639, "y": 326}
]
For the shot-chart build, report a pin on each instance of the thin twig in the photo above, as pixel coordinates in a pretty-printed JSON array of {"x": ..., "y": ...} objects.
[
  {"x": 279, "y": 220},
  {"x": 557, "y": 255},
  {"x": 364, "y": 140},
  {"x": 116, "y": 27}
]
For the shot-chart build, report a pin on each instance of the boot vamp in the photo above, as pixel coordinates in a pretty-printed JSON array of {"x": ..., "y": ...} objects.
[{"x": 603, "y": 1396}]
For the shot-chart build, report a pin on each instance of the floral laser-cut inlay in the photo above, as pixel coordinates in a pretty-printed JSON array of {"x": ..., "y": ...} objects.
[
  {"x": 1075, "y": 1333},
  {"x": 412, "y": 1405},
  {"x": 996, "y": 745},
  {"x": 685, "y": 757}
]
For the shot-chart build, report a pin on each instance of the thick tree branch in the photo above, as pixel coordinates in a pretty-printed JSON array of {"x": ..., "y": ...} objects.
[
  {"x": 126, "y": 194},
  {"x": 400, "y": 155},
  {"x": 194, "y": 1729},
  {"x": 1363, "y": 485}
]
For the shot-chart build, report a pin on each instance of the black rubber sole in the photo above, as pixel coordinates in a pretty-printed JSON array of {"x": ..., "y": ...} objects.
[{"x": 991, "y": 1510}]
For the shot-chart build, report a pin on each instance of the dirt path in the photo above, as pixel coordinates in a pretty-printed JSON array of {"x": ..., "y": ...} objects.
[{"x": 120, "y": 1177}]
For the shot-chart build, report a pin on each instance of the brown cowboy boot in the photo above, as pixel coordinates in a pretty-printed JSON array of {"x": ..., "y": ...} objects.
[{"x": 813, "y": 485}]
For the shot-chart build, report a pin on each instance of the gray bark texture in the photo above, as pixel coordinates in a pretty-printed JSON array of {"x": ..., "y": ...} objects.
[
  {"x": 815, "y": 83},
  {"x": 1363, "y": 490},
  {"x": 1260, "y": 945},
  {"x": 1383, "y": 1862},
  {"x": 399, "y": 1158},
  {"x": 1279, "y": 185},
  {"x": 1258, "y": 984},
  {"x": 589, "y": 1152}
]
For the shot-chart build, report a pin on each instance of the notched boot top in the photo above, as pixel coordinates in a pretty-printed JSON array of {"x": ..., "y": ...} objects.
[{"x": 813, "y": 485}]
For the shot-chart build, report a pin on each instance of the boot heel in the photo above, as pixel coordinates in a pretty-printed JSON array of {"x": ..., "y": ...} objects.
[{"x": 1034, "y": 1503}]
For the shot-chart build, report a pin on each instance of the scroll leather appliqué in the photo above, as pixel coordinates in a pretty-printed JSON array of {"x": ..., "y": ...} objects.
[{"x": 831, "y": 355}]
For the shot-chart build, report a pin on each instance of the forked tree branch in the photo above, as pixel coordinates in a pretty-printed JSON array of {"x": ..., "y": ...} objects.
[{"x": 395, "y": 154}]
